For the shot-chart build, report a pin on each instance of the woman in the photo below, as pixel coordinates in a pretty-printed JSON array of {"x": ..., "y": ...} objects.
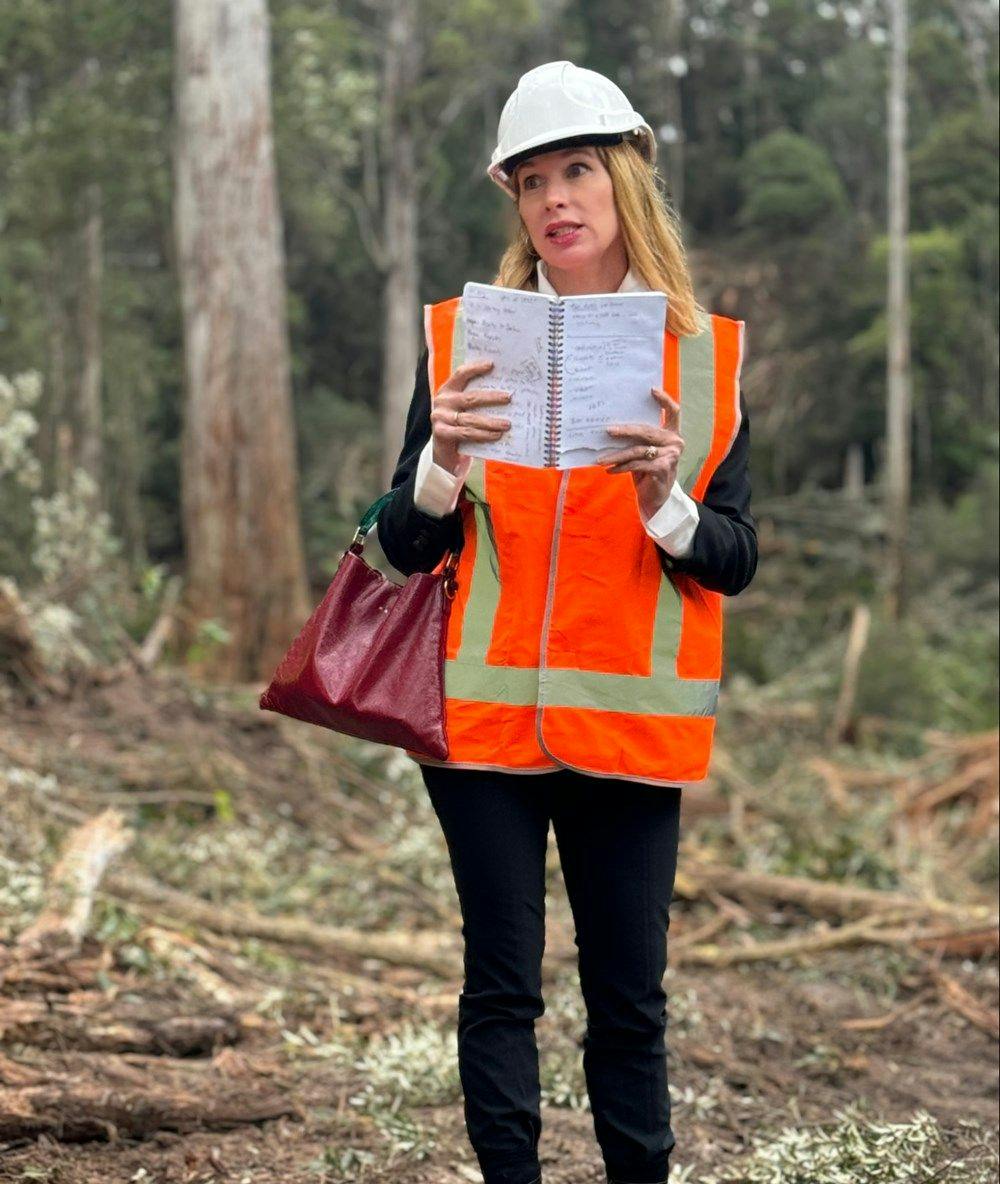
[{"x": 584, "y": 643}]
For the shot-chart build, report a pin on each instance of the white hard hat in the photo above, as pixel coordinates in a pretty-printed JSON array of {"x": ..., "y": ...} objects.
[{"x": 558, "y": 104}]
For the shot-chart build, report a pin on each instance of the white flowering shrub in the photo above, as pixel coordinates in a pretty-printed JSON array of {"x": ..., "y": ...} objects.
[
  {"x": 60, "y": 548},
  {"x": 17, "y": 426},
  {"x": 20, "y": 472}
]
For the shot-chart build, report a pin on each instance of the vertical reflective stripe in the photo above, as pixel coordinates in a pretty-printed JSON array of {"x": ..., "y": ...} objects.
[
  {"x": 696, "y": 363},
  {"x": 439, "y": 328},
  {"x": 484, "y": 593},
  {"x": 699, "y": 651},
  {"x": 474, "y": 609},
  {"x": 696, "y": 360},
  {"x": 667, "y": 631},
  {"x": 458, "y": 341},
  {"x": 666, "y": 623}
]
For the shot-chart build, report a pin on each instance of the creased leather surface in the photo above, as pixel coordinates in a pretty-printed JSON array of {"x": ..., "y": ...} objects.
[{"x": 370, "y": 661}]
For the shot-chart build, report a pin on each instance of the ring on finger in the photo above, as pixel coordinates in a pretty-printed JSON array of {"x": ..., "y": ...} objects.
[
  {"x": 652, "y": 452},
  {"x": 455, "y": 420}
]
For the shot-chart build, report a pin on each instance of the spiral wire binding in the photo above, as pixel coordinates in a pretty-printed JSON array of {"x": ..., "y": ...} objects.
[{"x": 553, "y": 420}]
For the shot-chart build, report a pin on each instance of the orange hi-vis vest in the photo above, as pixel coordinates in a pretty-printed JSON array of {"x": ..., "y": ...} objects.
[{"x": 568, "y": 646}]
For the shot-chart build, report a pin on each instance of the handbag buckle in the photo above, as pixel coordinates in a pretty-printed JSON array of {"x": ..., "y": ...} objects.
[{"x": 448, "y": 575}]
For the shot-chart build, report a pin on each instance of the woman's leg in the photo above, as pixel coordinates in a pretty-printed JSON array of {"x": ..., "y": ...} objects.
[
  {"x": 496, "y": 827},
  {"x": 618, "y": 848}
]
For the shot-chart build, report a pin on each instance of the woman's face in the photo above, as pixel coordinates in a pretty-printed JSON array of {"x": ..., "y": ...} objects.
[{"x": 569, "y": 186}]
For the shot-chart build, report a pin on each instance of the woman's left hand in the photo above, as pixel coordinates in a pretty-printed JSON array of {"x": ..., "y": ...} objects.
[{"x": 653, "y": 476}]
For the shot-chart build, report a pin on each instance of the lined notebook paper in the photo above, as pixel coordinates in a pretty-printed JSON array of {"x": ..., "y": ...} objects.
[{"x": 574, "y": 365}]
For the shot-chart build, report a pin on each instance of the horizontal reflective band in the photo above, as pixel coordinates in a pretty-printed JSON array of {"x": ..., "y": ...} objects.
[{"x": 625, "y": 693}]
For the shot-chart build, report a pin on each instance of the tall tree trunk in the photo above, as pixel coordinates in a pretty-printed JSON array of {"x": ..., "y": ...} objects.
[
  {"x": 898, "y": 396},
  {"x": 674, "y": 16},
  {"x": 90, "y": 415},
  {"x": 751, "y": 76},
  {"x": 400, "y": 323},
  {"x": 123, "y": 482},
  {"x": 55, "y": 437},
  {"x": 239, "y": 474}
]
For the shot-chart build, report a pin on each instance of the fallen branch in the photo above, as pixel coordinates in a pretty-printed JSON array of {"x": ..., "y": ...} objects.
[
  {"x": 152, "y": 646},
  {"x": 815, "y": 896},
  {"x": 816, "y": 941},
  {"x": 68, "y": 1026},
  {"x": 953, "y": 995},
  {"x": 67, "y": 1108},
  {"x": 436, "y": 953},
  {"x": 874, "y": 930},
  {"x": 843, "y": 716},
  {"x": 72, "y": 883}
]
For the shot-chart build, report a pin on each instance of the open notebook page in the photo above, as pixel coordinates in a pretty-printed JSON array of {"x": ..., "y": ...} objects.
[
  {"x": 510, "y": 328},
  {"x": 612, "y": 355}
]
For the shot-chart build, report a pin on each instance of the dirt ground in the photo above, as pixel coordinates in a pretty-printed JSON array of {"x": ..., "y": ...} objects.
[{"x": 176, "y": 1022}]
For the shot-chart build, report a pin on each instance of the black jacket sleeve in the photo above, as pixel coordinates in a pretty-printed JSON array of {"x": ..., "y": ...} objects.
[
  {"x": 412, "y": 540},
  {"x": 724, "y": 555}
]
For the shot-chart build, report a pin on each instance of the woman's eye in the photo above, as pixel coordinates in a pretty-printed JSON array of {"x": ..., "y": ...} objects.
[{"x": 577, "y": 164}]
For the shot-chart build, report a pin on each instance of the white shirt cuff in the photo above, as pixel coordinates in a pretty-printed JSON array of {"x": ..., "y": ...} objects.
[
  {"x": 673, "y": 525},
  {"x": 435, "y": 489}
]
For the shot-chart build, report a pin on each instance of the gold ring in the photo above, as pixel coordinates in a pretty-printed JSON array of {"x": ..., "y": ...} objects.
[
  {"x": 457, "y": 414},
  {"x": 651, "y": 452}
]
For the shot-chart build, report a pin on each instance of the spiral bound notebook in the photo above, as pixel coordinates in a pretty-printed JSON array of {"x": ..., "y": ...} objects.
[{"x": 574, "y": 365}]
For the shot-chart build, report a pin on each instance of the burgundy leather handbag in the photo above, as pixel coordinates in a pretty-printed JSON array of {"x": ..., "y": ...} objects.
[{"x": 370, "y": 660}]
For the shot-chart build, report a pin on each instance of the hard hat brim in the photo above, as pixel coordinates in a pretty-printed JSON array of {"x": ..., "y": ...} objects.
[
  {"x": 511, "y": 163},
  {"x": 641, "y": 135}
]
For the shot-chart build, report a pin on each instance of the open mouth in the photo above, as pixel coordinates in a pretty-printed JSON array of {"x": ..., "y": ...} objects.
[{"x": 564, "y": 231}]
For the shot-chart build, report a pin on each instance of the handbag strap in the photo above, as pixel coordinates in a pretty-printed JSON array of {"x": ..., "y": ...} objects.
[{"x": 370, "y": 517}]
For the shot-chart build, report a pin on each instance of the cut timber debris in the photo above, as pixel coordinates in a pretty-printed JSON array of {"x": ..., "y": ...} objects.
[
  {"x": 86, "y": 854},
  {"x": 819, "y": 897},
  {"x": 436, "y": 952},
  {"x": 113, "y": 1102}
]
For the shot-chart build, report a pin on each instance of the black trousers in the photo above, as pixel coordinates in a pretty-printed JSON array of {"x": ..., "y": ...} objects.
[{"x": 617, "y": 842}]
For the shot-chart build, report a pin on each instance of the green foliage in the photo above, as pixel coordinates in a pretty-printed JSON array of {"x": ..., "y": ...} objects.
[
  {"x": 791, "y": 187},
  {"x": 954, "y": 170},
  {"x": 938, "y": 673},
  {"x": 949, "y": 379}
]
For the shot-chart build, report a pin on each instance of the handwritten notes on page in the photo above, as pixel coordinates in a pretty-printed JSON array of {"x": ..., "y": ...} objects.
[
  {"x": 510, "y": 328},
  {"x": 612, "y": 355},
  {"x": 601, "y": 352}
]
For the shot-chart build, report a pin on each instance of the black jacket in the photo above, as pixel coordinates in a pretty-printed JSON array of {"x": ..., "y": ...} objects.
[{"x": 724, "y": 557}]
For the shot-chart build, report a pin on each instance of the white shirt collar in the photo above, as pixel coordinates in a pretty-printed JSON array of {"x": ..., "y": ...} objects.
[{"x": 631, "y": 282}]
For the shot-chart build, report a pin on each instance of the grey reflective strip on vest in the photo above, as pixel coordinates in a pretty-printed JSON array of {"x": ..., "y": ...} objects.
[
  {"x": 696, "y": 375},
  {"x": 484, "y": 593},
  {"x": 568, "y": 687},
  {"x": 696, "y": 363}
]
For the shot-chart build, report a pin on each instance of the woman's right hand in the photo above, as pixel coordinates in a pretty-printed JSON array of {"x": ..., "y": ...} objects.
[{"x": 454, "y": 418}]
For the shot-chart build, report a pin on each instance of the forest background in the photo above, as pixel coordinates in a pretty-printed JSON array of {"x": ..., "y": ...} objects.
[{"x": 218, "y": 222}]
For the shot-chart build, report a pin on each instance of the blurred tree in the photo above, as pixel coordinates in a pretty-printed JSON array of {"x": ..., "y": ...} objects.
[
  {"x": 240, "y": 485},
  {"x": 899, "y": 402}
]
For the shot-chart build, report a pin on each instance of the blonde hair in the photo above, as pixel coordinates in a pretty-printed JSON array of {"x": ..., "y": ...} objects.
[{"x": 650, "y": 229}]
